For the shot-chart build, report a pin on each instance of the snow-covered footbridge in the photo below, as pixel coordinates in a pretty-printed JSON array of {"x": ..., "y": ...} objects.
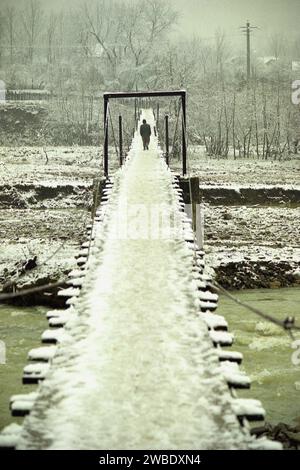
[{"x": 139, "y": 359}]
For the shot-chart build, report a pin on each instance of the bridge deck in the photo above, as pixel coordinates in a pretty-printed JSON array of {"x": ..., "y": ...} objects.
[{"x": 136, "y": 368}]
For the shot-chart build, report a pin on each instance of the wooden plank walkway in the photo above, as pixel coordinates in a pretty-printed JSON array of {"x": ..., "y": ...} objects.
[{"x": 136, "y": 360}]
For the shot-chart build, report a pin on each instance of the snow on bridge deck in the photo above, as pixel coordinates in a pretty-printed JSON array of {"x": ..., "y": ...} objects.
[{"x": 135, "y": 368}]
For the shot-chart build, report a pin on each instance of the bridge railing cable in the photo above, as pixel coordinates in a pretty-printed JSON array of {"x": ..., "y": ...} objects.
[
  {"x": 113, "y": 131},
  {"x": 189, "y": 176},
  {"x": 288, "y": 324},
  {"x": 176, "y": 129}
]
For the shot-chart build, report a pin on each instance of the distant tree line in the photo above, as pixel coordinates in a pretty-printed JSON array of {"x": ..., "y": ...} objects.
[{"x": 97, "y": 45}]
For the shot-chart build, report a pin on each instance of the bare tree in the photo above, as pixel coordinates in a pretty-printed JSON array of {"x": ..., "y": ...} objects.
[
  {"x": 220, "y": 53},
  {"x": 104, "y": 21},
  {"x": 205, "y": 53},
  {"x": 2, "y": 32},
  {"x": 128, "y": 33},
  {"x": 10, "y": 26},
  {"x": 51, "y": 30},
  {"x": 277, "y": 45},
  {"x": 146, "y": 25},
  {"x": 32, "y": 20},
  {"x": 295, "y": 48}
]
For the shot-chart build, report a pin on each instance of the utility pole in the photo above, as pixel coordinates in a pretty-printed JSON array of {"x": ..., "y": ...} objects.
[{"x": 247, "y": 30}]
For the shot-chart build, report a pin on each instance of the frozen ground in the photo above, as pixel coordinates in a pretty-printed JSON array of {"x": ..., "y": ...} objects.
[
  {"x": 53, "y": 236},
  {"x": 274, "y": 227},
  {"x": 253, "y": 246},
  {"x": 214, "y": 171},
  {"x": 39, "y": 200},
  {"x": 43, "y": 211},
  {"x": 136, "y": 369},
  {"x": 251, "y": 239},
  {"x": 66, "y": 165},
  {"x": 252, "y": 213},
  {"x": 82, "y": 164}
]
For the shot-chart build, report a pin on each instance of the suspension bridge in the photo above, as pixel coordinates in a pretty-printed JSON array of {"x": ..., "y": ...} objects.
[{"x": 139, "y": 359}]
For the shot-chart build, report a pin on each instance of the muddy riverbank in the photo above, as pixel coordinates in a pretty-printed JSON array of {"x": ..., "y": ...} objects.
[
  {"x": 46, "y": 196},
  {"x": 51, "y": 237},
  {"x": 253, "y": 246}
]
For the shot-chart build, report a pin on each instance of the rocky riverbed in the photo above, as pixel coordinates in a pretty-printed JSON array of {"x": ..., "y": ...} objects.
[{"x": 289, "y": 436}]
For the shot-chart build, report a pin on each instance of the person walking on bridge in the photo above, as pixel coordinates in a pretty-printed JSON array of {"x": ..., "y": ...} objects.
[{"x": 145, "y": 131}]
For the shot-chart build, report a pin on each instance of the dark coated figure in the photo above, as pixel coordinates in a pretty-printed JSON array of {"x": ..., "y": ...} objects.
[{"x": 145, "y": 131}]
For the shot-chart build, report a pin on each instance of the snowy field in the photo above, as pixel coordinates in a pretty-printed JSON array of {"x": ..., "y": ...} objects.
[
  {"x": 81, "y": 164},
  {"x": 51, "y": 235},
  {"x": 252, "y": 247},
  {"x": 253, "y": 172}
]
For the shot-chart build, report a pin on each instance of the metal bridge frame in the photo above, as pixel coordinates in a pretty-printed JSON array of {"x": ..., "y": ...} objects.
[{"x": 145, "y": 94}]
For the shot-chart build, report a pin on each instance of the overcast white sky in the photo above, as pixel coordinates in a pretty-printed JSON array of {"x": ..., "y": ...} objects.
[{"x": 205, "y": 16}]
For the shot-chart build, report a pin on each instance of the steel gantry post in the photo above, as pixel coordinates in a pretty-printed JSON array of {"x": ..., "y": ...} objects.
[
  {"x": 167, "y": 138},
  {"x": 184, "y": 133},
  {"x": 105, "y": 147},
  {"x": 145, "y": 94},
  {"x": 121, "y": 140}
]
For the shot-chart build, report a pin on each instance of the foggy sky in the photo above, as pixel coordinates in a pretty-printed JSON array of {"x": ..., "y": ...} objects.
[{"x": 203, "y": 17}]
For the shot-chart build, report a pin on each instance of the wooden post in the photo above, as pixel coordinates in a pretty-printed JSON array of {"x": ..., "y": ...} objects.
[
  {"x": 192, "y": 197},
  {"x": 195, "y": 202},
  {"x": 135, "y": 113},
  {"x": 97, "y": 189}
]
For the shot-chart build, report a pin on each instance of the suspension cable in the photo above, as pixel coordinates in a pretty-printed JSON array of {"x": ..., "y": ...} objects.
[
  {"x": 288, "y": 324},
  {"x": 176, "y": 130},
  {"x": 185, "y": 142},
  {"x": 113, "y": 132}
]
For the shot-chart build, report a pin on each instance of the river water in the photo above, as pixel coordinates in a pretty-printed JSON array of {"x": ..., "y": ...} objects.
[
  {"x": 20, "y": 329},
  {"x": 267, "y": 350}
]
